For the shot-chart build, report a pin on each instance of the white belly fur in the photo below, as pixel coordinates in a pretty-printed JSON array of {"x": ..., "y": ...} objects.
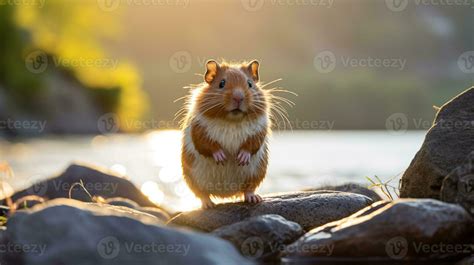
[{"x": 228, "y": 179}]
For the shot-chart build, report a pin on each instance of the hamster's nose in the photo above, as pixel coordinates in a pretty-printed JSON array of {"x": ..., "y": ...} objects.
[{"x": 238, "y": 97}]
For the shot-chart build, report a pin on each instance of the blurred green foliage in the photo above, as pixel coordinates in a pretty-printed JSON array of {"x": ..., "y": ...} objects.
[
  {"x": 68, "y": 33},
  {"x": 21, "y": 85}
]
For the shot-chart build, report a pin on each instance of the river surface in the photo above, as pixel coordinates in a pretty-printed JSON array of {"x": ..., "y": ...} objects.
[{"x": 298, "y": 159}]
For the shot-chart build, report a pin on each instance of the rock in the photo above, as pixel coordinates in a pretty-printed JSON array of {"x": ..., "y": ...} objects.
[
  {"x": 466, "y": 261},
  {"x": 446, "y": 146},
  {"x": 117, "y": 201},
  {"x": 157, "y": 212},
  {"x": 261, "y": 237},
  {"x": 307, "y": 208},
  {"x": 98, "y": 182},
  {"x": 75, "y": 233},
  {"x": 458, "y": 186},
  {"x": 353, "y": 188},
  {"x": 398, "y": 230}
]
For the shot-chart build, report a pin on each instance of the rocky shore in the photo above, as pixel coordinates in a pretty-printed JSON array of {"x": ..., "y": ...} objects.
[{"x": 349, "y": 224}]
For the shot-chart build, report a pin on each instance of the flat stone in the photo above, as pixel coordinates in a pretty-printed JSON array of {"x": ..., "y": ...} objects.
[
  {"x": 351, "y": 187},
  {"x": 307, "y": 208}
]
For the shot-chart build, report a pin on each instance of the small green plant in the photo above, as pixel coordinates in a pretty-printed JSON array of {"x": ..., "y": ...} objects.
[{"x": 385, "y": 187}]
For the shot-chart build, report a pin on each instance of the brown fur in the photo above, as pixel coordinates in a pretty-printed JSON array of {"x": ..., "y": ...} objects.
[
  {"x": 203, "y": 144},
  {"x": 253, "y": 143},
  {"x": 214, "y": 102}
]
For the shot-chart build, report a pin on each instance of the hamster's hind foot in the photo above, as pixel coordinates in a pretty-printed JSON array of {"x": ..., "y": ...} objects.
[
  {"x": 206, "y": 203},
  {"x": 251, "y": 197}
]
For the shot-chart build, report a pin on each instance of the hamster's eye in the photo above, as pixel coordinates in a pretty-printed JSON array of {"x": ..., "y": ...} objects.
[
  {"x": 222, "y": 83},
  {"x": 249, "y": 83}
]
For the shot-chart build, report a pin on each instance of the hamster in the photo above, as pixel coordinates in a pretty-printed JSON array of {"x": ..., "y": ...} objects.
[{"x": 225, "y": 133}]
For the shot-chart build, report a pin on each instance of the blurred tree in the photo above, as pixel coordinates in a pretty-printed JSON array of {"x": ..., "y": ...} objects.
[{"x": 69, "y": 32}]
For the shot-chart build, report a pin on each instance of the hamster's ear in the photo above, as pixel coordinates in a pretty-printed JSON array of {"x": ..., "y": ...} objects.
[
  {"x": 252, "y": 67},
  {"x": 211, "y": 70}
]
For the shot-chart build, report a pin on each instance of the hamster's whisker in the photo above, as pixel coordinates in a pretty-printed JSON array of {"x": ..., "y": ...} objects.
[
  {"x": 280, "y": 89},
  {"x": 282, "y": 113},
  {"x": 211, "y": 107},
  {"x": 181, "y": 98},
  {"x": 285, "y": 100},
  {"x": 271, "y": 82}
]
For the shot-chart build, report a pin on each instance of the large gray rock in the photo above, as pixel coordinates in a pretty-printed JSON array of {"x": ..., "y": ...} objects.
[
  {"x": 351, "y": 187},
  {"x": 446, "y": 145},
  {"x": 458, "y": 186},
  {"x": 157, "y": 212},
  {"x": 466, "y": 261},
  {"x": 307, "y": 208},
  {"x": 75, "y": 233},
  {"x": 98, "y": 182},
  {"x": 398, "y": 230},
  {"x": 261, "y": 237}
]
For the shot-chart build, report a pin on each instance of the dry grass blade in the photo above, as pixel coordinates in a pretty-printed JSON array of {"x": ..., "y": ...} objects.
[{"x": 80, "y": 184}]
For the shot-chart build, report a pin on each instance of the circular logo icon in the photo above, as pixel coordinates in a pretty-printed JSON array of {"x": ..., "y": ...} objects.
[
  {"x": 466, "y": 62},
  {"x": 108, "y": 247},
  {"x": 252, "y": 5},
  {"x": 108, "y": 5},
  {"x": 396, "y": 5},
  {"x": 36, "y": 186},
  {"x": 397, "y": 248},
  {"x": 397, "y": 123},
  {"x": 325, "y": 62},
  {"x": 252, "y": 247},
  {"x": 466, "y": 185},
  {"x": 180, "y": 62},
  {"x": 36, "y": 62},
  {"x": 108, "y": 123}
]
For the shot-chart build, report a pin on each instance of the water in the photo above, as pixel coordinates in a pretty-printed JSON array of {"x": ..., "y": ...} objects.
[{"x": 298, "y": 160}]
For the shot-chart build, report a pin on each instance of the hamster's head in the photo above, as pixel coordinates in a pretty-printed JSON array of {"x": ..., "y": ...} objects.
[{"x": 232, "y": 92}]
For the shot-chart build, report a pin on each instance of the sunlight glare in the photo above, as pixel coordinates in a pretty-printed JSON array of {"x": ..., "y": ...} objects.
[
  {"x": 170, "y": 173},
  {"x": 187, "y": 200},
  {"x": 120, "y": 169},
  {"x": 166, "y": 146},
  {"x": 153, "y": 192}
]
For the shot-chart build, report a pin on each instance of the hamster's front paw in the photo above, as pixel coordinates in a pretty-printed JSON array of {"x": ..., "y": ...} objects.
[
  {"x": 219, "y": 157},
  {"x": 243, "y": 158}
]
